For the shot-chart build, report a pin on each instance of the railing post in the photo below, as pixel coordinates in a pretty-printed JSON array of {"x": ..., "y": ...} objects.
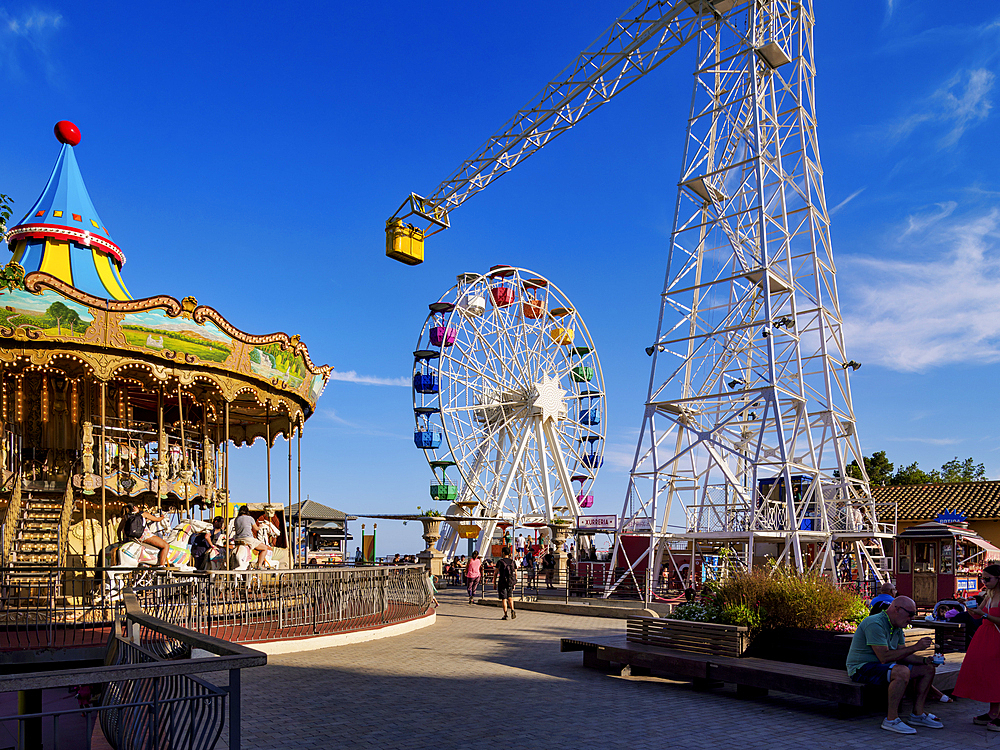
[
  {"x": 154, "y": 726},
  {"x": 234, "y": 709},
  {"x": 208, "y": 603},
  {"x": 281, "y": 603},
  {"x": 29, "y": 730}
]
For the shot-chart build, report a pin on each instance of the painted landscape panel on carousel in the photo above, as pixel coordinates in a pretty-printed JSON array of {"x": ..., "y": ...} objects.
[
  {"x": 271, "y": 361},
  {"x": 48, "y": 312},
  {"x": 156, "y": 331}
]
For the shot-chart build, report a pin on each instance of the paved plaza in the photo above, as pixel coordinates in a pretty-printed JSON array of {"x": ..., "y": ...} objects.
[{"x": 472, "y": 680}]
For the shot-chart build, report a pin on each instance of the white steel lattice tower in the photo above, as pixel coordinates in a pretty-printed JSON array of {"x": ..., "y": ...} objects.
[{"x": 749, "y": 390}]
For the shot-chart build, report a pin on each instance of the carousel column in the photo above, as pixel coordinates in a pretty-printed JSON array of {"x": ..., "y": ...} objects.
[
  {"x": 161, "y": 451},
  {"x": 225, "y": 480},
  {"x": 103, "y": 455},
  {"x": 300, "y": 546},
  {"x": 185, "y": 470},
  {"x": 207, "y": 456},
  {"x": 267, "y": 446},
  {"x": 289, "y": 545}
]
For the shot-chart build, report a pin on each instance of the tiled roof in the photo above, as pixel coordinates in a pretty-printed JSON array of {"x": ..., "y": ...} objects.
[
  {"x": 313, "y": 511},
  {"x": 919, "y": 502}
]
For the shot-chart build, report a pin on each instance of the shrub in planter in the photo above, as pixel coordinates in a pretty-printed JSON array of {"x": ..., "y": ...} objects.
[{"x": 764, "y": 599}]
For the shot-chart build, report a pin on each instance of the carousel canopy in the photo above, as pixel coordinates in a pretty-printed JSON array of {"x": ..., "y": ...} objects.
[{"x": 64, "y": 236}]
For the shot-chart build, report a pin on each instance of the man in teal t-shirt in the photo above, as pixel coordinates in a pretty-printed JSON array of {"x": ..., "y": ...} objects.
[{"x": 879, "y": 656}]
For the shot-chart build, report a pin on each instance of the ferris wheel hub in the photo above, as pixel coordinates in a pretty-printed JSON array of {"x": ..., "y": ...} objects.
[{"x": 548, "y": 400}]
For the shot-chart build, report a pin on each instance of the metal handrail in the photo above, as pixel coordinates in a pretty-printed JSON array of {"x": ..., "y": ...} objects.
[
  {"x": 228, "y": 656},
  {"x": 147, "y": 694}
]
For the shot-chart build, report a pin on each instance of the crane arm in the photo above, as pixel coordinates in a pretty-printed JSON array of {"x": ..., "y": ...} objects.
[{"x": 631, "y": 47}]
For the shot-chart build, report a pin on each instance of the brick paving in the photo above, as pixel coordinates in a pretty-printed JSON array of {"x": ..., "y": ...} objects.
[{"x": 472, "y": 680}]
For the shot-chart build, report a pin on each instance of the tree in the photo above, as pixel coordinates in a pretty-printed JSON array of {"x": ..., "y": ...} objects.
[
  {"x": 912, "y": 474},
  {"x": 5, "y": 211},
  {"x": 63, "y": 314},
  {"x": 961, "y": 471},
  {"x": 877, "y": 467},
  {"x": 880, "y": 471}
]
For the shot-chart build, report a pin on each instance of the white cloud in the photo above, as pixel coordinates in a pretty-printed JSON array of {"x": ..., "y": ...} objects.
[
  {"x": 959, "y": 104},
  {"x": 34, "y": 30},
  {"x": 618, "y": 458},
  {"x": 920, "y": 222},
  {"x": 31, "y": 24},
  {"x": 356, "y": 428},
  {"x": 928, "y": 441},
  {"x": 350, "y": 376},
  {"x": 847, "y": 200},
  {"x": 911, "y": 315}
]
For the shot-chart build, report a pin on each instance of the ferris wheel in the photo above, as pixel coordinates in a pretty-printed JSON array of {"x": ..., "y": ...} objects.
[{"x": 508, "y": 399}]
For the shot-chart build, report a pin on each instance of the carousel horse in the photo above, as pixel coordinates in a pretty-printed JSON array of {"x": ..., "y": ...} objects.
[{"x": 133, "y": 553}]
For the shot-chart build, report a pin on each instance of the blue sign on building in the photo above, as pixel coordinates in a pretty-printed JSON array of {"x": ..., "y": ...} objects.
[{"x": 950, "y": 516}]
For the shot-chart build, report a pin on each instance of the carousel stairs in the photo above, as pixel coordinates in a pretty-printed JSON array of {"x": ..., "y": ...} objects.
[{"x": 36, "y": 541}]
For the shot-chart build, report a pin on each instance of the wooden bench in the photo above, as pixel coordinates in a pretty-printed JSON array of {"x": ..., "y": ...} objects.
[
  {"x": 693, "y": 637},
  {"x": 642, "y": 651}
]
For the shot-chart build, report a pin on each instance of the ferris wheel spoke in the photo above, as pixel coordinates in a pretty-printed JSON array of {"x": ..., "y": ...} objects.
[
  {"x": 470, "y": 363},
  {"x": 561, "y": 470}
]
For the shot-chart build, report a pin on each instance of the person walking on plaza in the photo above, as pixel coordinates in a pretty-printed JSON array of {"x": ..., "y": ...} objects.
[
  {"x": 506, "y": 576},
  {"x": 879, "y": 656},
  {"x": 978, "y": 678},
  {"x": 473, "y": 574}
]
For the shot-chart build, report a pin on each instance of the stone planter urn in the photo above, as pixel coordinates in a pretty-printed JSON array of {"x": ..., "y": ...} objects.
[
  {"x": 430, "y": 557},
  {"x": 560, "y": 533}
]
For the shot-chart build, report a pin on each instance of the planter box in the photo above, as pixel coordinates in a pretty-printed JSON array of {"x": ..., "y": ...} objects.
[{"x": 816, "y": 648}]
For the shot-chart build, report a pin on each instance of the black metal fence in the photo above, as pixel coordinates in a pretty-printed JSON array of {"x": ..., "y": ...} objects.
[
  {"x": 250, "y": 607},
  {"x": 45, "y": 607},
  {"x": 146, "y": 701},
  {"x": 51, "y": 608}
]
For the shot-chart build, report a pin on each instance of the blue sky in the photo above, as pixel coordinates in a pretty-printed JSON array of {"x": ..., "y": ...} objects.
[{"x": 249, "y": 155}]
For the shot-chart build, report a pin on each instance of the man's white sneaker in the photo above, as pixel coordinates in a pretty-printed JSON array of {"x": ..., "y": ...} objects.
[
  {"x": 925, "y": 720},
  {"x": 898, "y": 725}
]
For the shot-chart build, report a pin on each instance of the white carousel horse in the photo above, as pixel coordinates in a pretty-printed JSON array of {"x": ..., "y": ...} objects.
[{"x": 267, "y": 534}]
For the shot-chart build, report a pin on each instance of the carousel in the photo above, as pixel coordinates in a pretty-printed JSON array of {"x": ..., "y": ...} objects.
[{"x": 106, "y": 400}]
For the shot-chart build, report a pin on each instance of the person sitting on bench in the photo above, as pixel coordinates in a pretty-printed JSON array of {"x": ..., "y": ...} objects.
[
  {"x": 879, "y": 656},
  {"x": 881, "y": 602}
]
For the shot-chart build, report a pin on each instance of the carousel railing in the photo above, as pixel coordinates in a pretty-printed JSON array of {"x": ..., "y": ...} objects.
[
  {"x": 146, "y": 695},
  {"x": 254, "y": 606},
  {"x": 133, "y": 448},
  {"x": 47, "y": 607}
]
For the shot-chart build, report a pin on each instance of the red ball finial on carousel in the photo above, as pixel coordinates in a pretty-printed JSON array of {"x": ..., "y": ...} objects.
[{"x": 67, "y": 132}]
